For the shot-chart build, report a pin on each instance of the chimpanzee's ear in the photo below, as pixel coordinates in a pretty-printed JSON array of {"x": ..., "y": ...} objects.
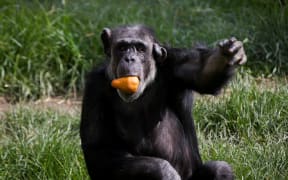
[
  {"x": 106, "y": 40},
  {"x": 159, "y": 53}
]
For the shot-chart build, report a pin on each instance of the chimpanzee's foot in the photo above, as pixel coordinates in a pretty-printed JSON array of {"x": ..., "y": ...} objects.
[{"x": 214, "y": 170}]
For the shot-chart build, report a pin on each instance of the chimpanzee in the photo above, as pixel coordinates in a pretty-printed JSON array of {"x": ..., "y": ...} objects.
[{"x": 150, "y": 134}]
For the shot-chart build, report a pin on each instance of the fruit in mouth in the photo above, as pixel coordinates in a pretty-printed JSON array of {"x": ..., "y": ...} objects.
[{"x": 128, "y": 84}]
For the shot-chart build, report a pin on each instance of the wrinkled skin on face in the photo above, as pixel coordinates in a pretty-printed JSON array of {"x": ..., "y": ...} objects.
[{"x": 132, "y": 52}]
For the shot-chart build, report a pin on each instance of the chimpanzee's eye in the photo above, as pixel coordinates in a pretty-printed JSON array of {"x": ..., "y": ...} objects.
[
  {"x": 123, "y": 48},
  {"x": 140, "y": 47}
]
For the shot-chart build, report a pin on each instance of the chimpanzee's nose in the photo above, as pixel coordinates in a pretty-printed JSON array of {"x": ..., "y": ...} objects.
[{"x": 130, "y": 59}]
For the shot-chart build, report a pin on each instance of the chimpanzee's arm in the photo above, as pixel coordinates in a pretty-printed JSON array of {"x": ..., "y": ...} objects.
[{"x": 206, "y": 70}]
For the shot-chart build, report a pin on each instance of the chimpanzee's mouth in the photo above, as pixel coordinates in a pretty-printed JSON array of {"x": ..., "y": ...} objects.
[
  {"x": 129, "y": 75},
  {"x": 127, "y": 85}
]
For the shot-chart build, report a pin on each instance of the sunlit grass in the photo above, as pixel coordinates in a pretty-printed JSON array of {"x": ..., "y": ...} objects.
[
  {"x": 247, "y": 126},
  {"x": 41, "y": 144}
]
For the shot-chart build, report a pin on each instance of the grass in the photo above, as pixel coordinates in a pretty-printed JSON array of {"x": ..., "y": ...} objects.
[
  {"x": 245, "y": 126},
  {"x": 41, "y": 144},
  {"x": 46, "y": 47},
  {"x": 248, "y": 128}
]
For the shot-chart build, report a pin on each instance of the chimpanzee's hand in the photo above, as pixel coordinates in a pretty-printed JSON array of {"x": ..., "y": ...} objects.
[
  {"x": 168, "y": 172},
  {"x": 234, "y": 50}
]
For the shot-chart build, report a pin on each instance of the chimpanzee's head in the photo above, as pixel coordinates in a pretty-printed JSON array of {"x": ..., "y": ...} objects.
[{"x": 133, "y": 51}]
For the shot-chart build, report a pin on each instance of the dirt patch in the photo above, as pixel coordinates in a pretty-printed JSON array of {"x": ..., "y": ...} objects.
[
  {"x": 59, "y": 104},
  {"x": 70, "y": 106},
  {"x": 4, "y": 106},
  {"x": 73, "y": 106},
  {"x": 271, "y": 83}
]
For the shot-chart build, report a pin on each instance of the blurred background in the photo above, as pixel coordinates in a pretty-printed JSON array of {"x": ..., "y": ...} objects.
[{"x": 47, "y": 47}]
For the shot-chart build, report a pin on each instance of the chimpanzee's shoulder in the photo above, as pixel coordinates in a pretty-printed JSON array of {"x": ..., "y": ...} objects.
[
  {"x": 96, "y": 80},
  {"x": 98, "y": 71}
]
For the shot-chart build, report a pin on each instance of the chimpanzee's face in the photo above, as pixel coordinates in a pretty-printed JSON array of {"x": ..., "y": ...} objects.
[{"x": 132, "y": 53}]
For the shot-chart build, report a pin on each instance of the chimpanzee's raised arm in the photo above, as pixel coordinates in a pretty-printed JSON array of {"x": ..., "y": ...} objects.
[{"x": 206, "y": 70}]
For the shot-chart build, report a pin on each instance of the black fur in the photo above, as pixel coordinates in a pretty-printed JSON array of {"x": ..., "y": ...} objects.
[{"x": 153, "y": 136}]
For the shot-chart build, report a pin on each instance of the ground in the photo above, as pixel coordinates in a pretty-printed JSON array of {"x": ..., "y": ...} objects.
[{"x": 57, "y": 104}]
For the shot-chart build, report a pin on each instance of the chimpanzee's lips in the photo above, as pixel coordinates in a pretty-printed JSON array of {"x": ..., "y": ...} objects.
[{"x": 128, "y": 75}]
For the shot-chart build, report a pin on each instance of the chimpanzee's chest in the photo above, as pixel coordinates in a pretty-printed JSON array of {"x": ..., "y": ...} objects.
[{"x": 151, "y": 131}]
